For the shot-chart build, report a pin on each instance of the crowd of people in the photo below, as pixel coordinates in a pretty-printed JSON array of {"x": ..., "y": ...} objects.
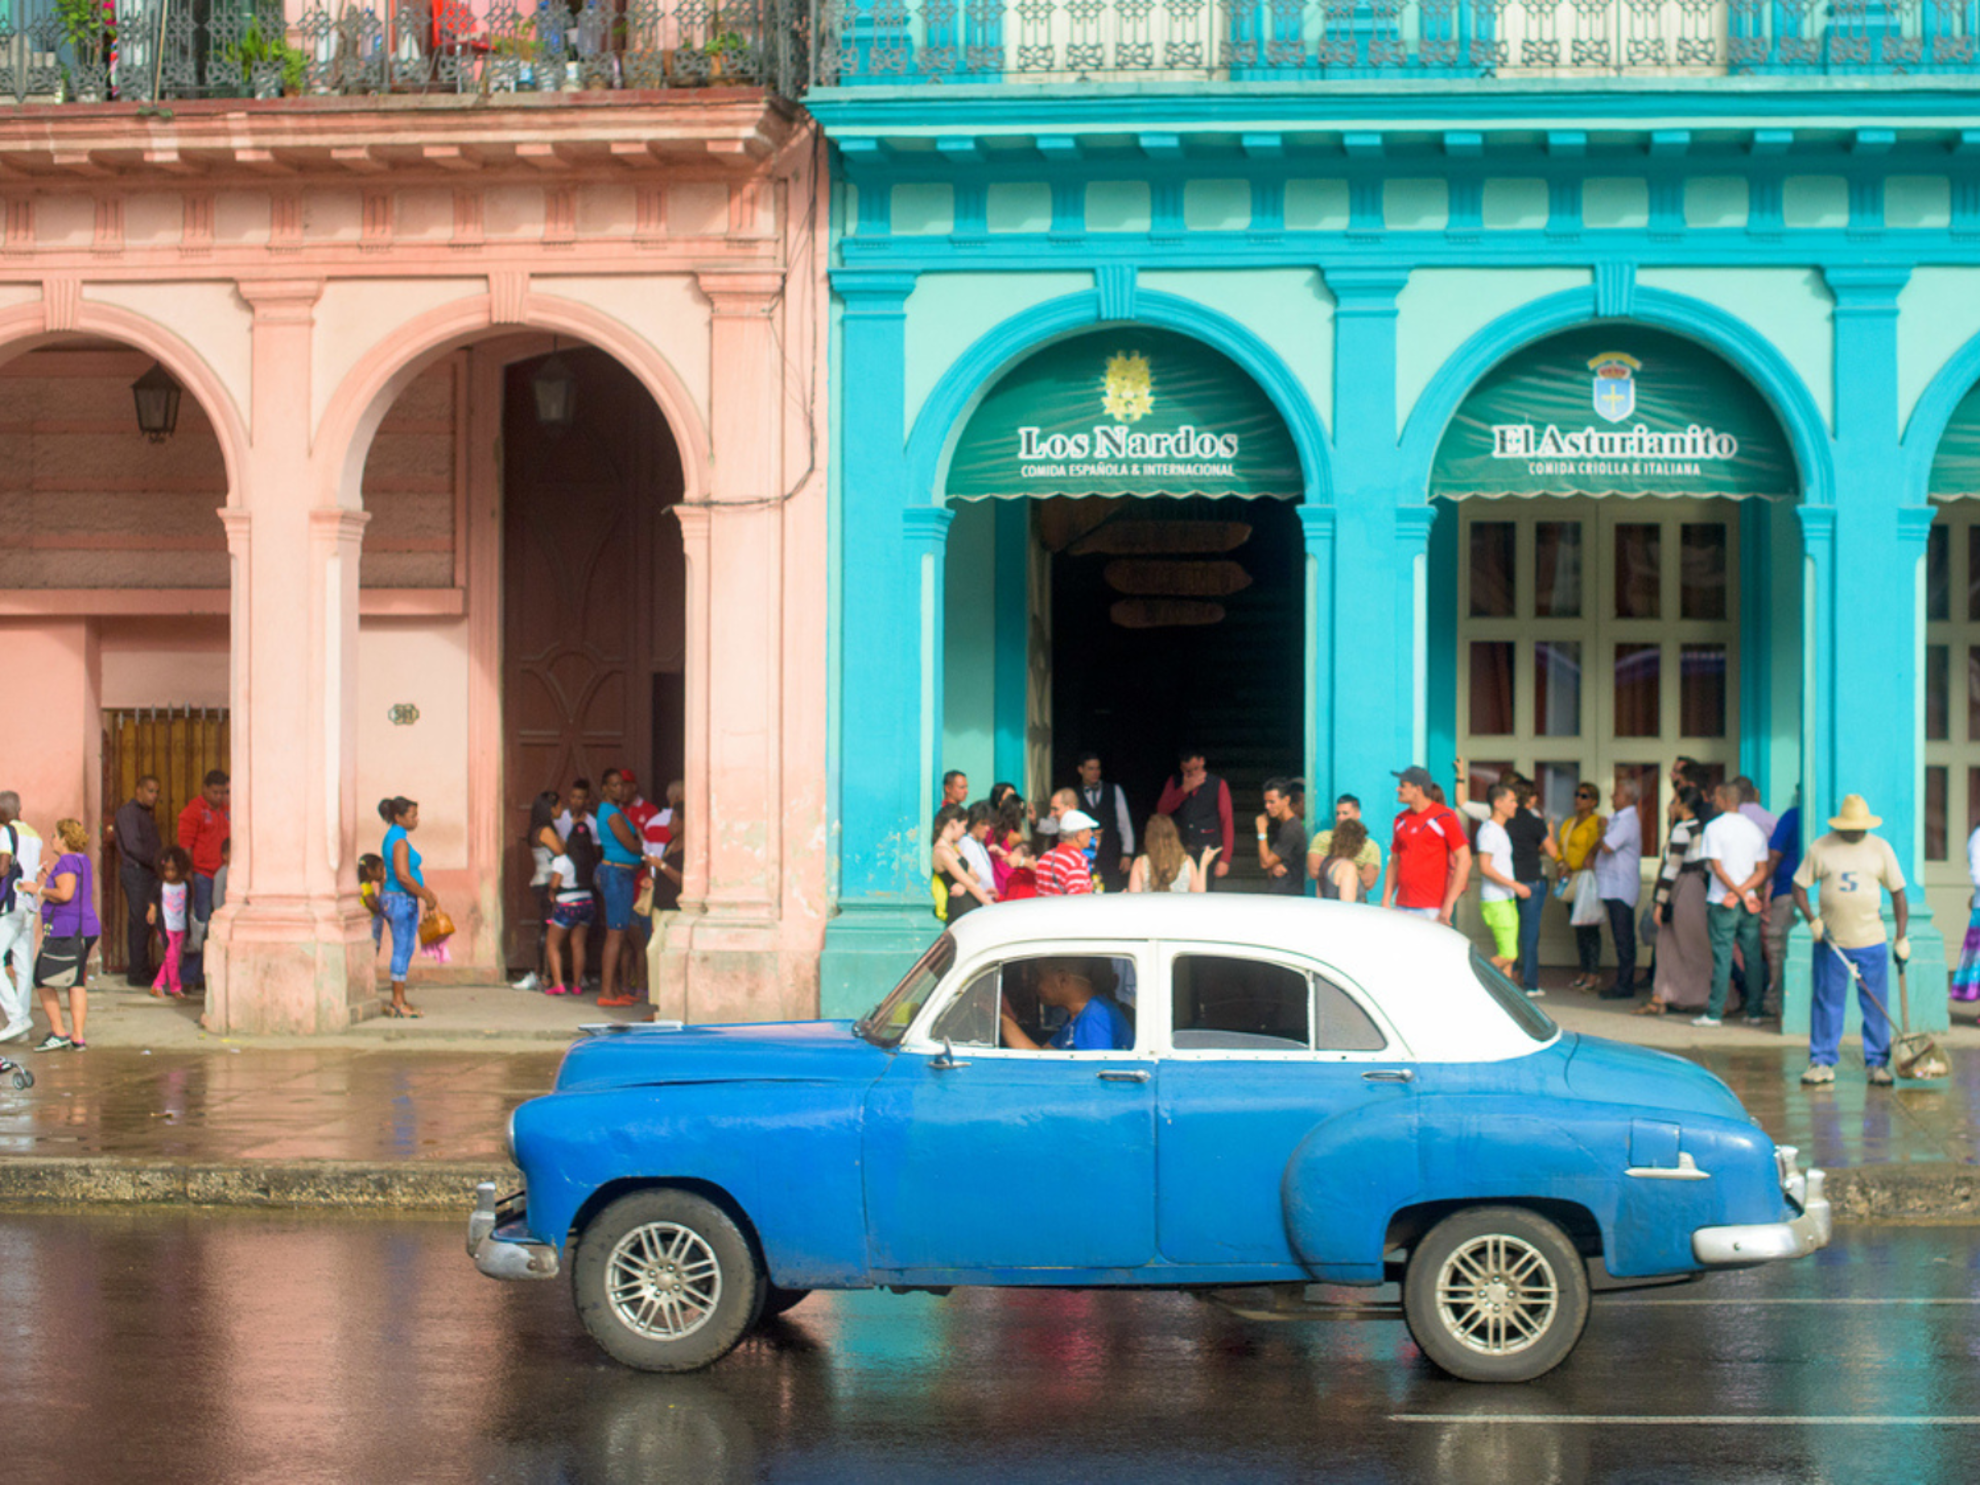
[
  {"x": 609, "y": 865},
  {"x": 1731, "y": 881}
]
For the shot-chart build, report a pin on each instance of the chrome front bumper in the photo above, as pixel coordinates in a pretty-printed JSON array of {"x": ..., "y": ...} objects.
[
  {"x": 499, "y": 1243},
  {"x": 1767, "y": 1242}
]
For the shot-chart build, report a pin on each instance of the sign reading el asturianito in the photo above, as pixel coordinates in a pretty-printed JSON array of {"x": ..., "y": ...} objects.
[
  {"x": 1125, "y": 412},
  {"x": 1614, "y": 410}
]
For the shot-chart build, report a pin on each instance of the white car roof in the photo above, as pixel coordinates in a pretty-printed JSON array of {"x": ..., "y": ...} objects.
[{"x": 1416, "y": 971}]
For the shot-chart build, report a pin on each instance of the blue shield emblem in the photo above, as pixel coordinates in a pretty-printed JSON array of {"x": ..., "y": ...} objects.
[{"x": 1614, "y": 385}]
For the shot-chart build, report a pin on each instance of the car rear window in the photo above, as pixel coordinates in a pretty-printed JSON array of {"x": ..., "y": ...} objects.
[{"x": 1535, "y": 1022}]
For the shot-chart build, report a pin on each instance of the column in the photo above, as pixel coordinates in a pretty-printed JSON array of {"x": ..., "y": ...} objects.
[
  {"x": 726, "y": 946},
  {"x": 883, "y": 692},
  {"x": 291, "y": 950},
  {"x": 1865, "y": 628},
  {"x": 1380, "y": 534}
]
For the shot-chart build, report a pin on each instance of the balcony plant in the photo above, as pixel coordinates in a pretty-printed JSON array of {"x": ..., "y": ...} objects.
[
  {"x": 269, "y": 55},
  {"x": 90, "y": 29}
]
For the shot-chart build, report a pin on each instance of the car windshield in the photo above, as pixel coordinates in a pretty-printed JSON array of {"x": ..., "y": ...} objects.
[
  {"x": 1535, "y": 1022},
  {"x": 888, "y": 1022}
]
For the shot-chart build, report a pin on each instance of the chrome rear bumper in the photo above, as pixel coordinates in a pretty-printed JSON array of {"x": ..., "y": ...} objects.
[
  {"x": 1768, "y": 1242},
  {"x": 502, "y": 1249}
]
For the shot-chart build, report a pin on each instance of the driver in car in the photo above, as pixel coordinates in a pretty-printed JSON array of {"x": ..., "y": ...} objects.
[{"x": 1094, "y": 1022}]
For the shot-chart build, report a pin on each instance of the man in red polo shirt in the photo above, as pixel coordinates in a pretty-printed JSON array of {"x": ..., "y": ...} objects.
[
  {"x": 1063, "y": 871},
  {"x": 204, "y": 825},
  {"x": 1430, "y": 855}
]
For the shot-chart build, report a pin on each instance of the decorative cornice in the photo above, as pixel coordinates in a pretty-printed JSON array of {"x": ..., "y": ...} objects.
[
  {"x": 1413, "y": 523},
  {"x": 331, "y": 525},
  {"x": 1818, "y": 525},
  {"x": 1914, "y": 524},
  {"x": 865, "y": 292},
  {"x": 744, "y": 293},
  {"x": 1365, "y": 291},
  {"x": 927, "y": 526},
  {"x": 238, "y": 522},
  {"x": 1864, "y": 290}
]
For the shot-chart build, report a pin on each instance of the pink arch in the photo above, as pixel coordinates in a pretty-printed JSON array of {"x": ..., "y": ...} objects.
[
  {"x": 368, "y": 390},
  {"x": 25, "y": 328}
]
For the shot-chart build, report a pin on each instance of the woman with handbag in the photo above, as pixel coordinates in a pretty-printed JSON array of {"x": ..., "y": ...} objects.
[
  {"x": 1576, "y": 840},
  {"x": 405, "y": 894},
  {"x": 69, "y": 931}
]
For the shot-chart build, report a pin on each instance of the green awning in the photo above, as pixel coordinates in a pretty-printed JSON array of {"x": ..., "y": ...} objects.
[
  {"x": 1956, "y": 466},
  {"x": 1614, "y": 410},
  {"x": 1125, "y": 412}
]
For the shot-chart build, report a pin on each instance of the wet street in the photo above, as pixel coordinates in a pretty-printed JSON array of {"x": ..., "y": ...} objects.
[{"x": 173, "y": 1345}]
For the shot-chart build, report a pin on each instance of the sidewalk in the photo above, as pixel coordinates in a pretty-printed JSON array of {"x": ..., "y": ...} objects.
[{"x": 412, "y": 1114}]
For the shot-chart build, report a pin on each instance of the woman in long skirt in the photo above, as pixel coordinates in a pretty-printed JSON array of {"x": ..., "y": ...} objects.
[
  {"x": 1684, "y": 943},
  {"x": 1966, "y": 979}
]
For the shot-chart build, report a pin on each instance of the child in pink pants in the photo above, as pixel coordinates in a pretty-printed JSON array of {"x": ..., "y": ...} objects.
[{"x": 170, "y": 912}]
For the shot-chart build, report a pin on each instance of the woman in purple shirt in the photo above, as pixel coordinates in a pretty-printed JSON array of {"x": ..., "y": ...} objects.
[{"x": 69, "y": 931}]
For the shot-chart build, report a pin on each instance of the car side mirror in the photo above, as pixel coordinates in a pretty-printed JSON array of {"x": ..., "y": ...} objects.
[{"x": 948, "y": 1058}]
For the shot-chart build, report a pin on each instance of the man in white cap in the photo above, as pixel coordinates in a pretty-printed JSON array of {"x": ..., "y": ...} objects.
[
  {"x": 1853, "y": 869},
  {"x": 1063, "y": 871}
]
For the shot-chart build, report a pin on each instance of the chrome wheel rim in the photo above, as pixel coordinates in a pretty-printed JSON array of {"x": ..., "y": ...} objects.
[
  {"x": 663, "y": 1281},
  {"x": 1497, "y": 1295}
]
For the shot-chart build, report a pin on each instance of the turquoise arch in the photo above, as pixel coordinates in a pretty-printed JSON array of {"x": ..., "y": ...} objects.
[
  {"x": 1932, "y": 415},
  {"x": 972, "y": 374},
  {"x": 1742, "y": 347}
]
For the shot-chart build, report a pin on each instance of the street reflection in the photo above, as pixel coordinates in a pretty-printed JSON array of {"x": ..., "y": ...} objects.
[{"x": 175, "y": 1345}]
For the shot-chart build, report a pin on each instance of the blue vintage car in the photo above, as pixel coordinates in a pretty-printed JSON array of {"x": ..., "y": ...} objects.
[{"x": 1255, "y": 1096}]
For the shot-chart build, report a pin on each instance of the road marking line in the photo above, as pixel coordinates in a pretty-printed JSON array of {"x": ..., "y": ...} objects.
[
  {"x": 1734, "y": 1300},
  {"x": 1707, "y": 1420}
]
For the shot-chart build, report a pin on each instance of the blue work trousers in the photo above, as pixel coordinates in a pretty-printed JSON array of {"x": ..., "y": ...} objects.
[
  {"x": 1825, "y": 1013},
  {"x": 1530, "y": 908},
  {"x": 192, "y": 965}
]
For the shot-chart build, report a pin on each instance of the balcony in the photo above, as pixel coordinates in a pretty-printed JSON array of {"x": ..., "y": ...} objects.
[
  {"x": 158, "y": 51},
  {"x": 895, "y": 43}
]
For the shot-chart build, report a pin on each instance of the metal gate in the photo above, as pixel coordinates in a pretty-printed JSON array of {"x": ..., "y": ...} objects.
[{"x": 175, "y": 745}]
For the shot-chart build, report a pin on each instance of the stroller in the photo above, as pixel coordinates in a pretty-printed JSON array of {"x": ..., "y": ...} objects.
[{"x": 22, "y": 1077}]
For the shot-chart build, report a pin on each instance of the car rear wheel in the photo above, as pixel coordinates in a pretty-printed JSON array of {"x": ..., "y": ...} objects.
[
  {"x": 1496, "y": 1294},
  {"x": 665, "y": 1281}
]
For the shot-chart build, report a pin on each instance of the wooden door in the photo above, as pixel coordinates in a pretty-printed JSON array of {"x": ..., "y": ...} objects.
[
  {"x": 177, "y": 746},
  {"x": 594, "y": 617}
]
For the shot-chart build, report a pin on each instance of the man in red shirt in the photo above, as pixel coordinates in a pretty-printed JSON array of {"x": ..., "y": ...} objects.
[
  {"x": 1430, "y": 854},
  {"x": 204, "y": 825},
  {"x": 1062, "y": 871}
]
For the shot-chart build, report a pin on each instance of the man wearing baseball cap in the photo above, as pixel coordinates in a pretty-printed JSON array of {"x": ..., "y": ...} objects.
[
  {"x": 1430, "y": 854},
  {"x": 1063, "y": 871},
  {"x": 1853, "y": 868}
]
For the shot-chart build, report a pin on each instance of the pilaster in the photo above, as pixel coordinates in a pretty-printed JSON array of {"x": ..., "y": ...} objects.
[{"x": 290, "y": 951}]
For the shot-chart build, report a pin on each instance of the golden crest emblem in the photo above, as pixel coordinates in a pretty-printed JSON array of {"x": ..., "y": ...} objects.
[{"x": 1130, "y": 394}]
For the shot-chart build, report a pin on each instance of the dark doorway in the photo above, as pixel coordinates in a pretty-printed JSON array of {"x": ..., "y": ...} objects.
[
  {"x": 1178, "y": 622},
  {"x": 594, "y": 612}
]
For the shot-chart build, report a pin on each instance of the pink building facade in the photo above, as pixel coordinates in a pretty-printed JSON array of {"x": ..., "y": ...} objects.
[{"x": 361, "y": 543}]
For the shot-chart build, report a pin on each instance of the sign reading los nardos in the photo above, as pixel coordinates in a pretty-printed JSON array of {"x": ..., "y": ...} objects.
[{"x": 1125, "y": 412}]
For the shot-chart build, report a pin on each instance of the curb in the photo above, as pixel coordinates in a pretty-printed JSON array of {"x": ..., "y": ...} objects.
[
  {"x": 1920, "y": 1191},
  {"x": 1923, "y": 1191},
  {"x": 409, "y": 1186}
]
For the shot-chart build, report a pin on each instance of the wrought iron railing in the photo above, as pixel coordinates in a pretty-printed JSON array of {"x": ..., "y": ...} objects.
[
  {"x": 53, "y": 51},
  {"x": 881, "y": 42}
]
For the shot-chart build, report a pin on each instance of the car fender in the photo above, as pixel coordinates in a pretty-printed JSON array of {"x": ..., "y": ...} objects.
[{"x": 786, "y": 1154}]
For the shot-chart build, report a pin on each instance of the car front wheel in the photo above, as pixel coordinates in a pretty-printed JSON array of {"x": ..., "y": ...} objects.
[
  {"x": 665, "y": 1281},
  {"x": 1496, "y": 1294}
]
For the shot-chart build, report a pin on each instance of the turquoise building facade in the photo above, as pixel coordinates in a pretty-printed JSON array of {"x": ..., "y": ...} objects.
[{"x": 1378, "y": 216}]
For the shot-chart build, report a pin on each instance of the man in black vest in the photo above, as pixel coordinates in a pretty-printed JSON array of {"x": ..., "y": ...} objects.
[
  {"x": 1200, "y": 804},
  {"x": 1107, "y": 804}
]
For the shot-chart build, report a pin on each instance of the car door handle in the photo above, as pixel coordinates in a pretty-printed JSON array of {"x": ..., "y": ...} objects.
[
  {"x": 1389, "y": 1075},
  {"x": 1124, "y": 1075}
]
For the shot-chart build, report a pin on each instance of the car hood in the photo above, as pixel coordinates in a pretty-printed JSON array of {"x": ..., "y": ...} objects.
[
  {"x": 1614, "y": 1072},
  {"x": 791, "y": 1051}
]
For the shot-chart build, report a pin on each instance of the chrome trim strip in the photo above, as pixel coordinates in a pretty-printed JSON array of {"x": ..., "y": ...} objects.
[
  {"x": 1685, "y": 1170},
  {"x": 497, "y": 1252}
]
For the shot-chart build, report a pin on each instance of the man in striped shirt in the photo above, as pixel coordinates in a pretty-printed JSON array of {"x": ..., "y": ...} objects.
[{"x": 1063, "y": 871}]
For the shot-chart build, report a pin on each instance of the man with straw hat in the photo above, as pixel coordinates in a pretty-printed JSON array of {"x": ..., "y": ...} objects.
[{"x": 1850, "y": 865}]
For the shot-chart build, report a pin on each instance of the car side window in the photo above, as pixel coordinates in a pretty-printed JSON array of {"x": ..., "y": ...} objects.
[
  {"x": 972, "y": 1017},
  {"x": 1339, "y": 1024},
  {"x": 1222, "y": 1002}
]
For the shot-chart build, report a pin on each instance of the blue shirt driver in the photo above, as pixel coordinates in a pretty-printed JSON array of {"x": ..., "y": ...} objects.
[{"x": 1094, "y": 1022}]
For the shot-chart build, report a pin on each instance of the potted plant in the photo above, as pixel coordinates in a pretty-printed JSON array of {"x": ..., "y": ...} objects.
[
  {"x": 269, "y": 65},
  {"x": 90, "y": 29},
  {"x": 725, "y": 52}
]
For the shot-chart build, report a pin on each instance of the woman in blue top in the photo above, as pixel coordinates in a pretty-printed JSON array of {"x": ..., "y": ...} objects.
[
  {"x": 405, "y": 893},
  {"x": 617, "y": 877},
  {"x": 1094, "y": 1023}
]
